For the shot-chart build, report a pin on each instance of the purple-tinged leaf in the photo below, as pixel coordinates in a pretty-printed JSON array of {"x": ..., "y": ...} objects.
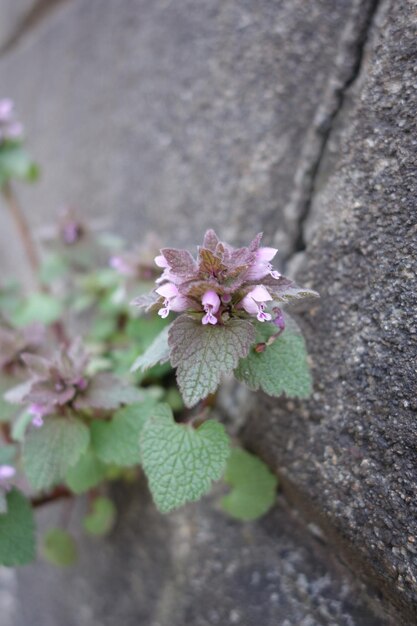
[
  {"x": 146, "y": 301},
  {"x": 46, "y": 394},
  {"x": 209, "y": 263},
  {"x": 181, "y": 262},
  {"x": 17, "y": 394},
  {"x": 202, "y": 354},
  {"x": 287, "y": 293},
  {"x": 107, "y": 392},
  {"x": 37, "y": 365},
  {"x": 211, "y": 240},
  {"x": 256, "y": 242},
  {"x": 197, "y": 288}
]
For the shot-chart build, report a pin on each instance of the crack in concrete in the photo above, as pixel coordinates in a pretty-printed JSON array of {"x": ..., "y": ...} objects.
[
  {"x": 352, "y": 47},
  {"x": 36, "y": 14}
]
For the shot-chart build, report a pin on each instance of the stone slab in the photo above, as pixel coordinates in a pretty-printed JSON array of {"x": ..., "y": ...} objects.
[
  {"x": 348, "y": 456},
  {"x": 13, "y": 13},
  {"x": 194, "y": 567},
  {"x": 176, "y": 116}
]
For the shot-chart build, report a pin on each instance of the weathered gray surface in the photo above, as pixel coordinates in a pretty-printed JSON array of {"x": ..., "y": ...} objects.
[
  {"x": 176, "y": 116},
  {"x": 349, "y": 454},
  {"x": 12, "y": 14},
  {"x": 195, "y": 568}
]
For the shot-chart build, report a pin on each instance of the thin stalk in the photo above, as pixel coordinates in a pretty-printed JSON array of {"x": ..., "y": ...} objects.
[
  {"x": 22, "y": 228},
  {"x": 29, "y": 247}
]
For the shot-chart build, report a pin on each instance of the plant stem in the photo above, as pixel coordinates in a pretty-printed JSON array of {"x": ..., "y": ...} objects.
[
  {"x": 57, "y": 494},
  {"x": 22, "y": 228},
  {"x": 29, "y": 246}
]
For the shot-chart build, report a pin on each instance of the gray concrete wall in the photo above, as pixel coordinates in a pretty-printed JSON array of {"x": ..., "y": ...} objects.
[{"x": 292, "y": 117}]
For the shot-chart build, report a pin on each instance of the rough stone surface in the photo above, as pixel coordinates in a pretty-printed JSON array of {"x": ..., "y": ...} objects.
[
  {"x": 349, "y": 454},
  {"x": 12, "y": 14},
  {"x": 194, "y": 567},
  {"x": 176, "y": 116}
]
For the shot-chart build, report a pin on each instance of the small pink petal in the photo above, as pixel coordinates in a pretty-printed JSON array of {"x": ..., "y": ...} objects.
[
  {"x": 266, "y": 254},
  {"x": 260, "y": 294},
  {"x": 161, "y": 261},
  {"x": 179, "y": 304},
  {"x": 211, "y": 300},
  {"x": 250, "y": 305},
  {"x": 169, "y": 290},
  {"x": 7, "y": 472},
  {"x": 209, "y": 318}
]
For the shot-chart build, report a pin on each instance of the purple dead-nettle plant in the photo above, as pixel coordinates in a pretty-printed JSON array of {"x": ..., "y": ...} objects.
[
  {"x": 224, "y": 297},
  {"x": 61, "y": 386}
]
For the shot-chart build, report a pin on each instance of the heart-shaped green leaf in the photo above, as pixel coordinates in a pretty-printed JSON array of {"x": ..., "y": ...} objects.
[
  {"x": 51, "y": 450},
  {"x": 181, "y": 462}
]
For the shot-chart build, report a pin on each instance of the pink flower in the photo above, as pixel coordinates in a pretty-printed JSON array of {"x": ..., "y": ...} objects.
[
  {"x": 38, "y": 412},
  {"x": 167, "y": 274},
  {"x": 174, "y": 301},
  {"x": 7, "y": 472},
  {"x": 161, "y": 261},
  {"x": 211, "y": 304},
  {"x": 6, "y": 110},
  {"x": 262, "y": 266},
  {"x": 119, "y": 264},
  {"x": 10, "y": 128},
  {"x": 254, "y": 303}
]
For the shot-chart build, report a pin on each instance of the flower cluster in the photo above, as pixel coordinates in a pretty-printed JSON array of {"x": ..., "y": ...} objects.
[
  {"x": 10, "y": 128},
  {"x": 54, "y": 382},
  {"x": 222, "y": 283}
]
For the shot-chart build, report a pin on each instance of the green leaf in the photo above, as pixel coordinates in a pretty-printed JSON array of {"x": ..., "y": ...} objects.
[
  {"x": 7, "y": 453},
  {"x": 117, "y": 441},
  {"x": 181, "y": 462},
  {"x": 53, "y": 266},
  {"x": 7, "y": 410},
  {"x": 17, "y": 531},
  {"x": 21, "y": 422},
  {"x": 158, "y": 352},
  {"x": 39, "y": 307},
  {"x": 102, "y": 517},
  {"x": 16, "y": 163},
  {"x": 254, "y": 486},
  {"x": 282, "y": 368},
  {"x": 202, "y": 353},
  {"x": 51, "y": 450},
  {"x": 88, "y": 472},
  {"x": 59, "y": 547}
]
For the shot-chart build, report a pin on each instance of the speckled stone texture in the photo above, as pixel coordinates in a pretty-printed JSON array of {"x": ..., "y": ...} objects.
[
  {"x": 194, "y": 567},
  {"x": 348, "y": 456}
]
